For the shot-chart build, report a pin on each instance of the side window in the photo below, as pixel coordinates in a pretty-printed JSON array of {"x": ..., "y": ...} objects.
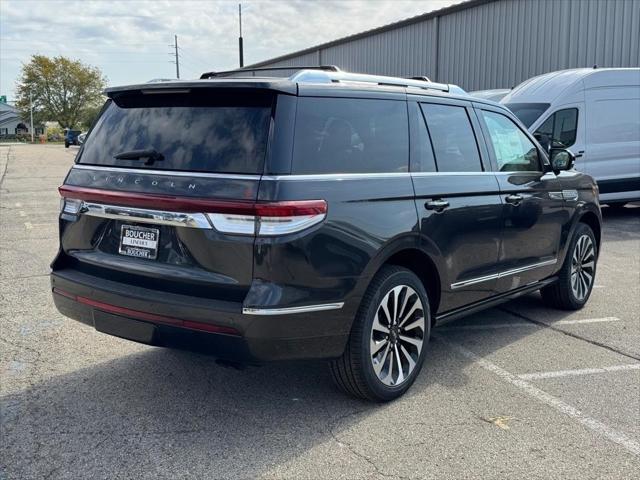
[
  {"x": 348, "y": 135},
  {"x": 513, "y": 150},
  {"x": 422, "y": 159},
  {"x": 560, "y": 127},
  {"x": 454, "y": 142}
]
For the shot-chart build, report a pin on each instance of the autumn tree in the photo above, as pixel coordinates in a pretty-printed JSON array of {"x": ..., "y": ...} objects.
[{"x": 63, "y": 90}]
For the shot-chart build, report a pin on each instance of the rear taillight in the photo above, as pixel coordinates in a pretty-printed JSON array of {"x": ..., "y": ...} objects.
[
  {"x": 273, "y": 218},
  {"x": 70, "y": 205},
  {"x": 234, "y": 217}
]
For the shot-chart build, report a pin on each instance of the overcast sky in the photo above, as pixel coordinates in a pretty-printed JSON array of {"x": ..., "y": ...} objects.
[{"x": 129, "y": 40}]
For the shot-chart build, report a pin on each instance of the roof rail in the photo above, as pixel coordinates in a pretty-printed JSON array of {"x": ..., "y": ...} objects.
[
  {"x": 326, "y": 68},
  {"x": 307, "y": 76}
]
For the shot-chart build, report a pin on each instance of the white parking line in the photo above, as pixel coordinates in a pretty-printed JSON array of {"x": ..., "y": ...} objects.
[
  {"x": 582, "y": 371},
  {"x": 528, "y": 324},
  {"x": 493, "y": 326},
  {"x": 534, "y": 392},
  {"x": 586, "y": 320}
]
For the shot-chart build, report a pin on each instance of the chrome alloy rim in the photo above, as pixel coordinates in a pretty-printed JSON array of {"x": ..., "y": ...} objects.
[
  {"x": 583, "y": 266},
  {"x": 397, "y": 335}
]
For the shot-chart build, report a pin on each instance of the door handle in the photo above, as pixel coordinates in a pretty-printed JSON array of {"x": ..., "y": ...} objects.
[
  {"x": 437, "y": 205},
  {"x": 514, "y": 199}
]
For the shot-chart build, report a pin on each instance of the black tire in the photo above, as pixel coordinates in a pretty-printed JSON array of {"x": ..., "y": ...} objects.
[
  {"x": 66, "y": 144},
  {"x": 561, "y": 294},
  {"x": 354, "y": 371}
]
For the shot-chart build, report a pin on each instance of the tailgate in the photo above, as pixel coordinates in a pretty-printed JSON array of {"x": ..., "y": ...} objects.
[{"x": 139, "y": 201}]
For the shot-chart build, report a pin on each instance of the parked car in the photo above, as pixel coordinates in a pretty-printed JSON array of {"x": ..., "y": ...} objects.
[
  {"x": 495, "y": 95},
  {"x": 71, "y": 137},
  {"x": 325, "y": 215},
  {"x": 596, "y": 113}
]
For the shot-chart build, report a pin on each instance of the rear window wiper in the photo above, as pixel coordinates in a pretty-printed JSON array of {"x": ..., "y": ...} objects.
[{"x": 149, "y": 156}]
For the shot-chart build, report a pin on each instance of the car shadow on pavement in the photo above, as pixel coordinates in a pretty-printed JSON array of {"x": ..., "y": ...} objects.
[{"x": 162, "y": 413}]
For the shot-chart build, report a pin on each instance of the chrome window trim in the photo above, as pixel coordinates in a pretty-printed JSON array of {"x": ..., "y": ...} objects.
[
  {"x": 335, "y": 176},
  {"x": 506, "y": 273},
  {"x": 168, "y": 173},
  {"x": 293, "y": 177},
  {"x": 365, "y": 176},
  {"x": 143, "y": 215},
  {"x": 292, "y": 310},
  {"x": 442, "y": 174}
]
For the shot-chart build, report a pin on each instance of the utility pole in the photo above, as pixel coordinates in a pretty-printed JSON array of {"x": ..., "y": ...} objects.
[
  {"x": 240, "y": 38},
  {"x": 177, "y": 57},
  {"x": 31, "y": 112}
]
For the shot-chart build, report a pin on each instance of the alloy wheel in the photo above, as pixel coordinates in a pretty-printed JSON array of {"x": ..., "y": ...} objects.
[
  {"x": 397, "y": 335},
  {"x": 583, "y": 266}
]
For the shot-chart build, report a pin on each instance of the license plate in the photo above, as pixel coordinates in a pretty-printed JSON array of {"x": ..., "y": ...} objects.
[{"x": 139, "y": 242}]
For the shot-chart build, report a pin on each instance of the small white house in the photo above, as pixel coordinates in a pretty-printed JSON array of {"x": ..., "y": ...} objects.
[{"x": 11, "y": 123}]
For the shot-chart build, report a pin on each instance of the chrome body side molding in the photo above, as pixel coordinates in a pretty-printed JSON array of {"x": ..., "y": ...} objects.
[
  {"x": 506, "y": 273},
  {"x": 556, "y": 196},
  {"x": 570, "y": 195},
  {"x": 292, "y": 310}
]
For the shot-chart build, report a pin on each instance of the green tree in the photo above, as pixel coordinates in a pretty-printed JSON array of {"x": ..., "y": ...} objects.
[{"x": 63, "y": 90}]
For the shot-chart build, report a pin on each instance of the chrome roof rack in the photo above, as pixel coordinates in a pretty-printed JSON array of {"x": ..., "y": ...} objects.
[
  {"x": 323, "y": 76},
  {"x": 327, "y": 68}
]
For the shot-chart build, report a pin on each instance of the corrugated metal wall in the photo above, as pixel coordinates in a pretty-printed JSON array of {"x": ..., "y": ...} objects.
[{"x": 494, "y": 45}]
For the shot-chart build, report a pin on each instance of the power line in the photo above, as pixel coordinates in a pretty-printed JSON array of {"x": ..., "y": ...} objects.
[
  {"x": 196, "y": 62},
  {"x": 93, "y": 50}
]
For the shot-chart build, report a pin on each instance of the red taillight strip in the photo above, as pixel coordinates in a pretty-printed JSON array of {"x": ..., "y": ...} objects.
[
  {"x": 195, "y": 205},
  {"x": 151, "y": 317}
]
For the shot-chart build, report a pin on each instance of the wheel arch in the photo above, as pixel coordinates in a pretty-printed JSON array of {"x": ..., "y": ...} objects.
[
  {"x": 591, "y": 219},
  {"x": 408, "y": 252},
  {"x": 421, "y": 264}
]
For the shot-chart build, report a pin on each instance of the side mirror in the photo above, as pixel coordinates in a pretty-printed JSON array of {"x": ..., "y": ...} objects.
[{"x": 561, "y": 159}]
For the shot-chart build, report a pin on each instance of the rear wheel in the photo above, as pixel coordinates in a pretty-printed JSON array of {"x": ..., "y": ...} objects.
[
  {"x": 577, "y": 276},
  {"x": 388, "y": 340}
]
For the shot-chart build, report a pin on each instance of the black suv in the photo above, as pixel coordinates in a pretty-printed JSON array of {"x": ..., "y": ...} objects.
[{"x": 325, "y": 215}]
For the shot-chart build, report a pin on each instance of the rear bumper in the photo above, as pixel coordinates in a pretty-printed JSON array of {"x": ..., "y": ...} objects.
[{"x": 214, "y": 327}]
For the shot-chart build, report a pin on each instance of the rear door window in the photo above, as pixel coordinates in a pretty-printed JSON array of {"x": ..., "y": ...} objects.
[
  {"x": 210, "y": 131},
  {"x": 453, "y": 139},
  {"x": 350, "y": 135}
]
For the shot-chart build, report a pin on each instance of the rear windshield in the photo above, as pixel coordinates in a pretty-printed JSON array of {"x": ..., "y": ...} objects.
[
  {"x": 527, "y": 113},
  {"x": 207, "y": 131}
]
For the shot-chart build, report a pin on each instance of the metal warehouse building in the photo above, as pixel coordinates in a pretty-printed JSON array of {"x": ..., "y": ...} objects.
[{"x": 483, "y": 44}]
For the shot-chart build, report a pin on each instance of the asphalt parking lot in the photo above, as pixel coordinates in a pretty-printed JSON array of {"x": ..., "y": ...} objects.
[{"x": 520, "y": 391}]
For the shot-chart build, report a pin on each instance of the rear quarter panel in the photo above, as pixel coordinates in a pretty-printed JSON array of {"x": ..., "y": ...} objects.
[{"x": 331, "y": 261}]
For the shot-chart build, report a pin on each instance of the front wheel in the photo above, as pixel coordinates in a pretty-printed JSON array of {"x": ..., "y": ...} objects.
[
  {"x": 388, "y": 340},
  {"x": 578, "y": 273}
]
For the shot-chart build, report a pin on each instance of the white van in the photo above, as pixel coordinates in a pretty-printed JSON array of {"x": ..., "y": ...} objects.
[{"x": 595, "y": 113}]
